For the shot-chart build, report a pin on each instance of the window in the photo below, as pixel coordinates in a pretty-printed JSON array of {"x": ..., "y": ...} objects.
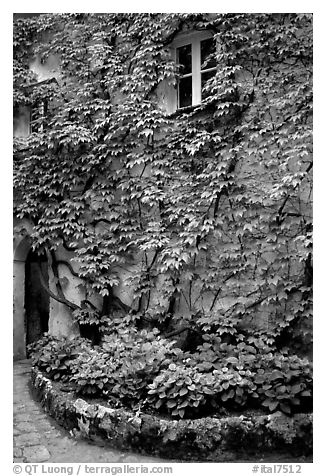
[
  {"x": 195, "y": 56},
  {"x": 34, "y": 117},
  {"x": 37, "y": 116},
  {"x": 39, "y": 109}
]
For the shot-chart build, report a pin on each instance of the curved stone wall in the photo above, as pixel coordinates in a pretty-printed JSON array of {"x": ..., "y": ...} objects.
[{"x": 206, "y": 439}]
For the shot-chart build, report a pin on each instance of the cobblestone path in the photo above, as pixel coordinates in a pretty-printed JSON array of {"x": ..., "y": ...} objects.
[{"x": 38, "y": 438}]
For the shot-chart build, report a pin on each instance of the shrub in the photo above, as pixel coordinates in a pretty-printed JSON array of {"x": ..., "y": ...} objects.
[
  {"x": 125, "y": 363},
  {"x": 269, "y": 378},
  {"x": 91, "y": 372},
  {"x": 184, "y": 391},
  {"x": 222, "y": 376},
  {"x": 277, "y": 381},
  {"x": 54, "y": 355},
  {"x": 140, "y": 368},
  {"x": 285, "y": 383},
  {"x": 36, "y": 347},
  {"x": 179, "y": 390}
]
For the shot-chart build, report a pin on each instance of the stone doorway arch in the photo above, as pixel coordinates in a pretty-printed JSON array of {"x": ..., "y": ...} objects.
[
  {"x": 37, "y": 300},
  {"x": 31, "y": 302}
]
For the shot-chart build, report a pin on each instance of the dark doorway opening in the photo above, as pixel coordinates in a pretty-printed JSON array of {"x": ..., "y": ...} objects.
[{"x": 37, "y": 300}]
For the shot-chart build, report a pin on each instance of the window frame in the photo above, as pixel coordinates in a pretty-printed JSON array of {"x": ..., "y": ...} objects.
[
  {"x": 38, "y": 113},
  {"x": 194, "y": 39},
  {"x": 38, "y": 110}
]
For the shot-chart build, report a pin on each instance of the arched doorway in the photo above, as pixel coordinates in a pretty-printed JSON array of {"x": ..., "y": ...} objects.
[{"x": 37, "y": 300}]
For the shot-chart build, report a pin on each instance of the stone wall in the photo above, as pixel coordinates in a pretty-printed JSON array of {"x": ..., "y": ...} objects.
[{"x": 230, "y": 439}]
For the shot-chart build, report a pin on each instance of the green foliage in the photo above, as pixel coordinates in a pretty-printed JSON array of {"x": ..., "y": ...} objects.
[
  {"x": 216, "y": 201},
  {"x": 283, "y": 383},
  {"x": 256, "y": 373},
  {"x": 186, "y": 392},
  {"x": 55, "y": 356},
  {"x": 123, "y": 365},
  {"x": 91, "y": 372},
  {"x": 178, "y": 390},
  {"x": 136, "y": 368},
  {"x": 205, "y": 215},
  {"x": 87, "y": 316}
]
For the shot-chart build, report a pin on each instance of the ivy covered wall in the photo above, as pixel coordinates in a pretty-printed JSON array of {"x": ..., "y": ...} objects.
[{"x": 192, "y": 220}]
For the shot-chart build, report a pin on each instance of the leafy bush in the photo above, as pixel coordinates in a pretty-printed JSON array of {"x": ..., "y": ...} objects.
[
  {"x": 183, "y": 390},
  {"x": 269, "y": 377},
  {"x": 90, "y": 372},
  {"x": 36, "y": 347},
  {"x": 138, "y": 367},
  {"x": 127, "y": 361},
  {"x": 178, "y": 390},
  {"x": 222, "y": 376},
  {"x": 54, "y": 355},
  {"x": 285, "y": 383}
]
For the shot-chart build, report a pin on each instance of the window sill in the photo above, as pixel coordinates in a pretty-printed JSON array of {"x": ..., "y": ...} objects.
[
  {"x": 185, "y": 110},
  {"x": 192, "y": 109}
]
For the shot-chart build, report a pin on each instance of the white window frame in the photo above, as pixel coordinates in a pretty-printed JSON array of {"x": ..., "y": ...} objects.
[
  {"x": 193, "y": 39},
  {"x": 38, "y": 110}
]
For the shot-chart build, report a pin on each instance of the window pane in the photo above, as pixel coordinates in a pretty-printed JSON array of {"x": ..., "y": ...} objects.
[
  {"x": 38, "y": 113},
  {"x": 204, "y": 78},
  {"x": 185, "y": 92},
  {"x": 184, "y": 59},
  {"x": 207, "y": 47}
]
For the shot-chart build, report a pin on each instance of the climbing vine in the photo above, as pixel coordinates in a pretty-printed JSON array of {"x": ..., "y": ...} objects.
[{"x": 205, "y": 213}]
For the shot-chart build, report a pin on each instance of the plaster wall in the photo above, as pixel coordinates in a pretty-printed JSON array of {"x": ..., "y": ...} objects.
[
  {"x": 21, "y": 121},
  {"x": 21, "y": 247},
  {"x": 60, "y": 318},
  {"x": 19, "y": 342},
  {"x": 60, "y": 321},
  {"x": 45, "y": 70}
]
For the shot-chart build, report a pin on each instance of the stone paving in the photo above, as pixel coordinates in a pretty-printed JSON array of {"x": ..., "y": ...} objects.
[{"x": 38, "y": 438}]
